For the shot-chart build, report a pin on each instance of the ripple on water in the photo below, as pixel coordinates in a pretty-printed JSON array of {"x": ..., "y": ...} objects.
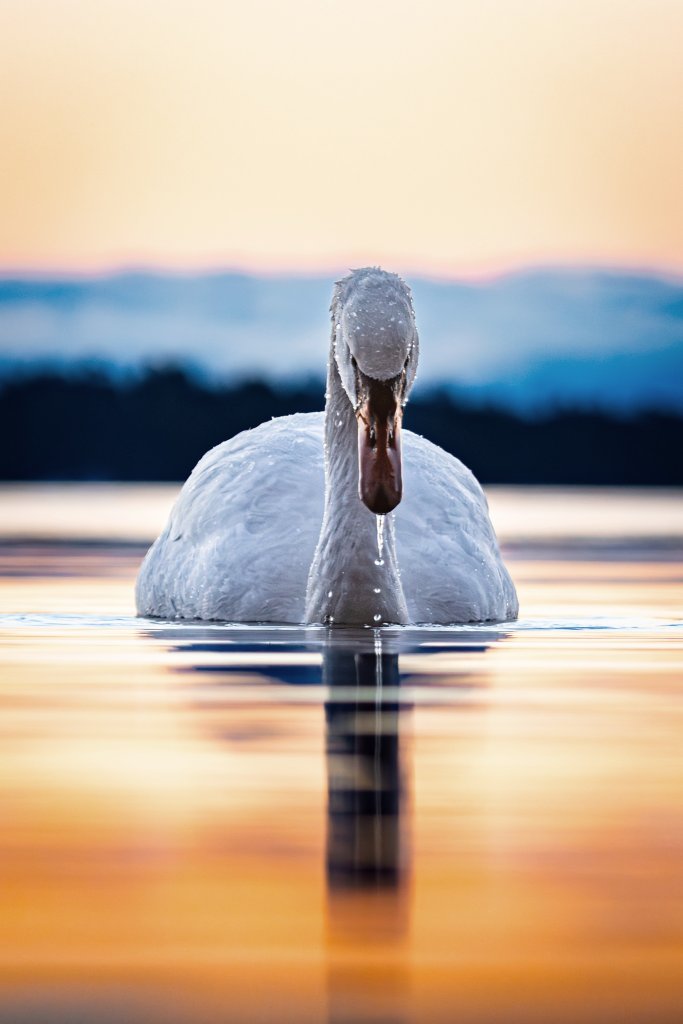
[{"x": 182, "y": 767}]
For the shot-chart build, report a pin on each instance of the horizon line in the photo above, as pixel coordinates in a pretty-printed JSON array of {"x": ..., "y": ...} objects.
[{"x": 478, "y": 275}]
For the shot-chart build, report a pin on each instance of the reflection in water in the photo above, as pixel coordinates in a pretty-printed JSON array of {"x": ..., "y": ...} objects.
[
  {"x": 367, "y": 852},
  {"x": 196, "y": 829},
  {"x": 366, "y": 835},
  {"x": 365, "y": 788}
]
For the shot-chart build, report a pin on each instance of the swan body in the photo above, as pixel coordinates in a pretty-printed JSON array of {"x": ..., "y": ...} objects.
[
  {"x": 270, "y": 526},
  {"x": 238, "y": 546}
]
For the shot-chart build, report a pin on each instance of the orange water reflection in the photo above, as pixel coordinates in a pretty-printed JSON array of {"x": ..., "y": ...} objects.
[{"x": 206, "y": 824}]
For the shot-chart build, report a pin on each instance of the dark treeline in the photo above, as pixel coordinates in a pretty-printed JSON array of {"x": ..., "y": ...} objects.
[{"x": 157, "y": 427}]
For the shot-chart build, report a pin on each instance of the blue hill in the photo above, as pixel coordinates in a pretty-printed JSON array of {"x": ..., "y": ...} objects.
[{"x": 532, "y": 338}]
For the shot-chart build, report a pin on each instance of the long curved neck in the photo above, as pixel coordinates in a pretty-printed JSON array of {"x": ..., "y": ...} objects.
[{"x": 348, "y": 581}]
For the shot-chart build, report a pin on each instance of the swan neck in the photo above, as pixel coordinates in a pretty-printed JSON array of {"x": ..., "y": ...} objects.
[
  {"x": 341, "y": 447},
  {"x": 349, "y": 582}
]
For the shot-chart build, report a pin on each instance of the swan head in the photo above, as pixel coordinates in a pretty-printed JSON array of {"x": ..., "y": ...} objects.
[{"x": 376, "y": 351}]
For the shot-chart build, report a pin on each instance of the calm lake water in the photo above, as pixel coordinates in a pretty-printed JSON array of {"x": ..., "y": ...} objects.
[{"x": 222, "y": 823}]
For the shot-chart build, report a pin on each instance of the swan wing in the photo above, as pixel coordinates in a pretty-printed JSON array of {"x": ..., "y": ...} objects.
[
  {"x": 240, "y": 538},
  {"x": 451, "y": 567}
]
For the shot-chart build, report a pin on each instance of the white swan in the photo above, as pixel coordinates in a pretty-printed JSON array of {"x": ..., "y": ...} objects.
[{"x": 244, "y": 541}]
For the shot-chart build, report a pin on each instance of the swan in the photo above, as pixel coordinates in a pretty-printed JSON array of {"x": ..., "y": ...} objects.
[{"x": 294, "y": 521}]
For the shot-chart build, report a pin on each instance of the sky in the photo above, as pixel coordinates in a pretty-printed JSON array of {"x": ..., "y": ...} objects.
[{"x": 439, "y": 137}]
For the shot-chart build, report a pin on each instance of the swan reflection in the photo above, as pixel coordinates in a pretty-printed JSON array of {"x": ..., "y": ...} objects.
[
  {"x": 364, "y": 775},
  {"x": 359, "y": 685},
  {"x": 367, "y": 847}
]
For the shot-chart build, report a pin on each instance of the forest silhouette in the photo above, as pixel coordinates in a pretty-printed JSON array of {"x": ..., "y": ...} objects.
[{"x": 155, "y": 427}]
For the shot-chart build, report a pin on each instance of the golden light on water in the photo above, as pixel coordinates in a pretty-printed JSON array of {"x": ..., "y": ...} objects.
[{"x": 205, "y": 823}]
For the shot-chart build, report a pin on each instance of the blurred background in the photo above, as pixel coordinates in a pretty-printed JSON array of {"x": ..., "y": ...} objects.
[
  {"x": 210, "y": 822},
  {"x": 181, "y": 184}
]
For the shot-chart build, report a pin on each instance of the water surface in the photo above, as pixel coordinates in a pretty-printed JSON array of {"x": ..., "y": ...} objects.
[{"x": 215, "y": 822}]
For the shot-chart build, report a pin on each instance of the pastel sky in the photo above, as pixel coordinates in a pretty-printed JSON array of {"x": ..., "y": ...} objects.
[{"x": 440, "y": 135}]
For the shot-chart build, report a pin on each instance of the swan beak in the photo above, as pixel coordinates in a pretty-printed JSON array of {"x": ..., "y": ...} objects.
[{"x": 380, "y": 483}]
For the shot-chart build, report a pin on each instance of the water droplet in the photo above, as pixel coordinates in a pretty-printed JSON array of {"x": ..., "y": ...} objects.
[
  {"x": 377, "y": 618},
  {"x": 329, "y": 593},
  {"x": 377, "y": 590},
  {"x": 379, "y": 561},
  {"x": 380, "y": 539}
]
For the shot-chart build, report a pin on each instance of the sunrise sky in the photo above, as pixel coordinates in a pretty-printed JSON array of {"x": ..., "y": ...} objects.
[{"x": 438, "y": 136}]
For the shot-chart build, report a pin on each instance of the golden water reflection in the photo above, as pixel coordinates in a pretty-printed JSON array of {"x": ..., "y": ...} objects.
[{"x": 217, "y": 823}]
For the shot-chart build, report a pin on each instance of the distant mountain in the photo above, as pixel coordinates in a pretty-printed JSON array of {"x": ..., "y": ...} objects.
[
  {"x": 621, "y": 382},
  {"x": 528, "y": 339}
]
